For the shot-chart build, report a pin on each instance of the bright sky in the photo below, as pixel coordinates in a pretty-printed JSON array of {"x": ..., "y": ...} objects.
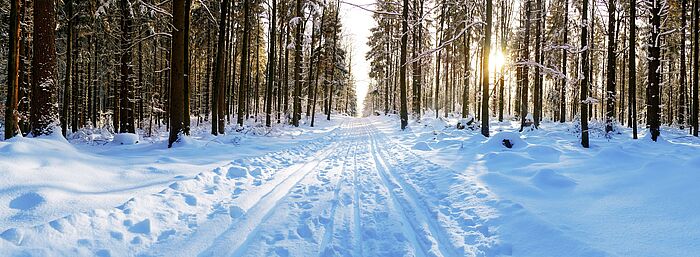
[{"x": 357, "y": 23}]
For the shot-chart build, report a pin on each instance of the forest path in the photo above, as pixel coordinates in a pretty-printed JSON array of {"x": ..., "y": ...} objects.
[{"x": 362, "y": 195}]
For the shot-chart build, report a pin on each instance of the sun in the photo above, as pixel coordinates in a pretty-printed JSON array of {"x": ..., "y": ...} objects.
[{"x": 496, "y": 60}]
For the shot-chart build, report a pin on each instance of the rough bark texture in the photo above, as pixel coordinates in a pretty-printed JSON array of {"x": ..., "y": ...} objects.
[
  {"x": 177, "y": 74},
  {"x": 11, "y": 112},
  {"x": 585, "y": 71},
  {"x": 43, "y": 112}
]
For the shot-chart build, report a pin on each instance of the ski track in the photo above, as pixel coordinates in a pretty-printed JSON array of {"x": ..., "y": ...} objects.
[{"x": 353, "y": 192}]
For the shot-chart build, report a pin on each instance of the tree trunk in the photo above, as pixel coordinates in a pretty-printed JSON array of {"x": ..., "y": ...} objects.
[
  {"x": 696, "y": 64},
  {"x": 69, "y": 69},
  {"x": 177, "y": 74},
  {"x": 296, "y": 108},
  {"x": 271, "y": 66},
  {"x": 485, "y": 70},
  {"x": 218, "y": 111},
  {"x": 43, "y": 113},
  {"x": 564, "y": 60},
  {"x": 402, "y": 79},
  {"x": 186, "y": 68},
  {"x": 682, "y": 108},
  {"x": 654, "y": 73},
  {"x": 126, "y": 112},
  {"x": 525, "y": 70},
  {"x": 610, "y": 84},
  {"x": 11, "y": 112},
  {"x": 585, "y": 70}
]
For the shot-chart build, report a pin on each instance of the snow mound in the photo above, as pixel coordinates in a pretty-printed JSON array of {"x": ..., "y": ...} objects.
[
  {"x": 237, "y": 172},
  {"x": 548, "y": 178},
  {"x": 422, "y": 146},
  {"x": 510, "y": 140},
  {"x": 126, "y": 139}
]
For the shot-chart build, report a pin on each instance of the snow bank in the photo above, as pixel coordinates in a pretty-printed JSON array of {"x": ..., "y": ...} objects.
[{"x": 126, "y": 139}]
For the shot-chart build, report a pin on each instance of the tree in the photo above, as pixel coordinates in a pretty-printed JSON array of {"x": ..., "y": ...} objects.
[
  {"x": 218, "y": 93},
  {"x": 126, "y": 110},
  {"x": 633, "y": 68},
  {"x": 177, "y": 74},
  {"x": 404, "y": 42},
  {"x": 696, "y": 64},
  {"x": 271, "y": 65},
  {"x": 585, "y": 74},
  {"x": 525, "y": 70},
  {"x": 682, "y": 106},
  {"x": 43, "y": 113},
  {"x": 485, "y": 70},
  {"x": 564, "y": 61},
  {"x": 610, "y": 84},
  {"x": 11, "y": 111},
  {"x": 296, "y": 115},
  {"x": 69, "y": 69},
  {"x": 243, "y": 85},
  {"x": 654, "y": 73}
]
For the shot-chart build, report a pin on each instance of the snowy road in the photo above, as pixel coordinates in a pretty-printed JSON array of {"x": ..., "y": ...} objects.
[
  {"x": 352, "y": 193},
  {"x": 347, "y": 199}
]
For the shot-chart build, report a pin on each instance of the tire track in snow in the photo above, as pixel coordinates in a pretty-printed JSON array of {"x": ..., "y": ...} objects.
[
  {"x": 422, "y": 228},
  {"x": 215, "y": 229},
  {"x": 303, "y": 209}
]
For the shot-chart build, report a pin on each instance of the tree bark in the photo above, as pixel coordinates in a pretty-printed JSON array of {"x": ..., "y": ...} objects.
[
  {"x": 485, "y": 70},
  {"x": 177, "y": 74},
  {"x": 11, "y": 112},
  {"x": 610, "y": 90},
  {"x": 585, "y": 70},
  {"x": 654, "y": 73},
  {"x": 43, "y": 113},
  {"x": 402, "y": 79}
]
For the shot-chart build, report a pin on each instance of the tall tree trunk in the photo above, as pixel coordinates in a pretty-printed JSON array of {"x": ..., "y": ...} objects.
[
  {"x": 632, "y": 91},
  {"x": 436, "y": 99},
  {"x": 186, "y": 70},
  {"x": 610, "y": 84},
  {"x": 525, "y": 70},
  {"x": 537, "y": 105},
  {"x": 11, "y": 112},
  {"x": 243, "y": 85},
  {"x": 271, "y": 66},
  {"x": 333, "y": 62},
  {"x": 296, "y": 108},
  {"x": 466, "y": 48},
  {"x": 654, "y": 73},
  {"x": 564, "y": 60},
  {"x": 177, "y": 74},
  {"x": 402, "y": 79},
  {"x": 69, "y": 69},
  {"x": 485, "y": 70},
  {"x": 43, "y": 113},
  {"x": 682, "y": 108},
  {"x": 696, "y": 64},
  {"x": 126, "y": 112},
  {"x": 585, "y": 70},
  {"x": 218, "y": 112}
]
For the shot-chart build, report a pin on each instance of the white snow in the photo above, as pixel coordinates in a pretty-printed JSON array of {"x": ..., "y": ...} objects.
[{"x": 352, "y": 187}]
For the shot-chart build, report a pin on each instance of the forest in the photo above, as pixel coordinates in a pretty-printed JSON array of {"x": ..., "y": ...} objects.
[
  {"x": 527, "y": 128},
  {"x": 165, "y": 65}
]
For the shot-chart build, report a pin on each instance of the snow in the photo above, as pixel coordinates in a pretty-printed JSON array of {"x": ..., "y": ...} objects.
[{"x": 352, "y": 187}]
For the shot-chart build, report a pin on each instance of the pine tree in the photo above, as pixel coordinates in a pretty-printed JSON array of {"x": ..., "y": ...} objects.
[
  {"x": 43, "y": 113},
  {"x": 13, "y": 60},
  {"x": 585, "y": 72},
  {"x": 404, "y": 42},
  {"x": 177, "y": 74}
]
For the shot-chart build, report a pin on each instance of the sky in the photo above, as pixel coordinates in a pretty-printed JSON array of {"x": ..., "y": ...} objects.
[{"x": 357, "y": 24}]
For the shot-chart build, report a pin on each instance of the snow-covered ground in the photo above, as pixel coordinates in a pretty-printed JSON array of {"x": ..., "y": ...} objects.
[{"x": 353, "y": 187}]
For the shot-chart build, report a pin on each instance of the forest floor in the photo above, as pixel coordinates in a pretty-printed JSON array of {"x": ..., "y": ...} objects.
[{"x": 353, "y": 187}]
